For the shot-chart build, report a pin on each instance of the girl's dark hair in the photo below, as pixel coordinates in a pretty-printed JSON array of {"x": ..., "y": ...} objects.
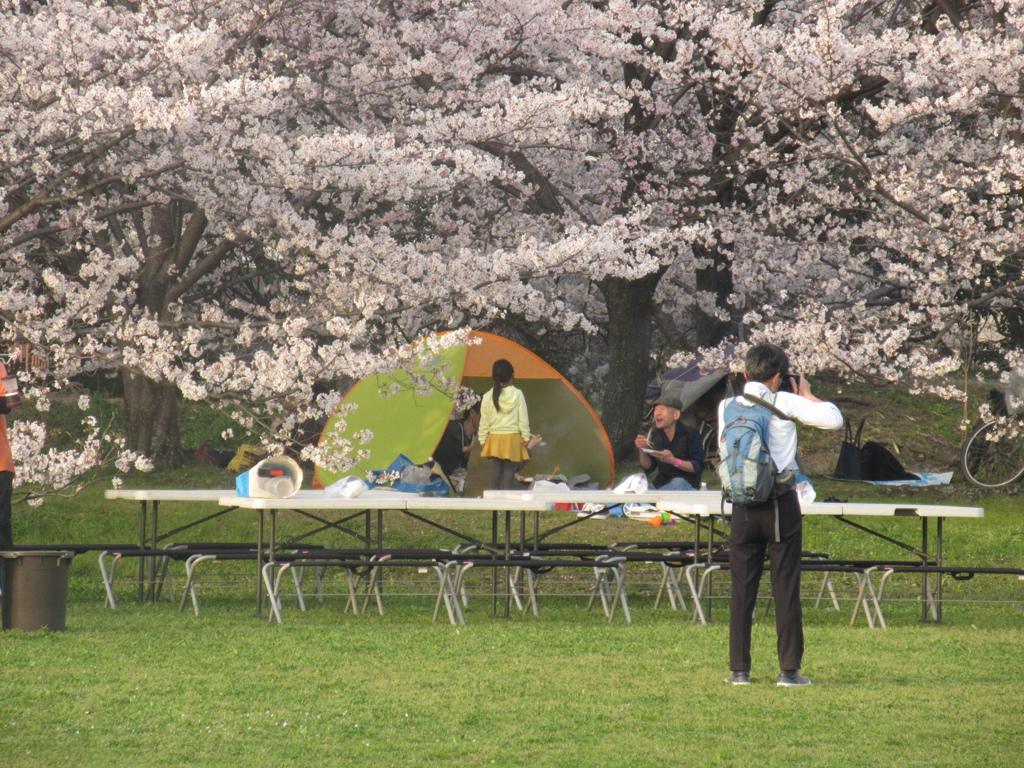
[{"x": 502, "y": 373}]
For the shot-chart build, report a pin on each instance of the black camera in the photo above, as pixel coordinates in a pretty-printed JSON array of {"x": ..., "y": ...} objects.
[{"x": 789, "y": 382}]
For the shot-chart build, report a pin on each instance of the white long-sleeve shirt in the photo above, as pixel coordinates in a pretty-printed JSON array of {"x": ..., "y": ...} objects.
[{"x": 782, "y": 433}]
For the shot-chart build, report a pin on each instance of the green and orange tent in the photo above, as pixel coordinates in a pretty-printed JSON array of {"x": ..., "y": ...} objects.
[{"x": 409, "y": 420}]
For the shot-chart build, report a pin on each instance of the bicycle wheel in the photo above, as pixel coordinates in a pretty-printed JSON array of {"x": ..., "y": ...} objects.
[{"x": 993, "y": 455}]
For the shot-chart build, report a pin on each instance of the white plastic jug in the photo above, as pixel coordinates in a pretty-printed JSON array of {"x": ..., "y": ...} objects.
[{"x": 279, "y": 477}]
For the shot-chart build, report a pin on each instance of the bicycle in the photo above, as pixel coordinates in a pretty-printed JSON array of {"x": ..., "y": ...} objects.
[{"x": 993, "y": 454}]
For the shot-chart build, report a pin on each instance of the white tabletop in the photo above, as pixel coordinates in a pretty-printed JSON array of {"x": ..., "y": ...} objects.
[
  {"x": 458, "y": 504},
  {"x": 890, "y": 510},
  {"x": 309, "y": 499},
  {"x": 690, "y": 507},
  {"x": 680, "y": 502},
  {"x": 385, "y": 500},
  {"x": 318, "y": 500},
  {"x": 164, "y": 494},
  {"x": 609, "y": 496}
]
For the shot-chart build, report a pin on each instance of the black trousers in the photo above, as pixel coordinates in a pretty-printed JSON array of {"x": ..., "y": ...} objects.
[
  {"x": 752, "y": 535},
  {"x": 6, "y": 493}
]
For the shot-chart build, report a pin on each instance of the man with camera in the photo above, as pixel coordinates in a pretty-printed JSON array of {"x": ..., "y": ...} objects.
[{"x": 775, "y": 526}]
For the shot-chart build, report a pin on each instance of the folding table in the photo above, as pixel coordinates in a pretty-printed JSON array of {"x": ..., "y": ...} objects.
[
  {"x": 313, "y": 504},
  {"x": 842, "y": 511},
  {"x": 149, "y": 511},
  {"x": 700, "y": 504}
]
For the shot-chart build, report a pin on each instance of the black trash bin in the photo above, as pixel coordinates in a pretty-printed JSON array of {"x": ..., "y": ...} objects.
[{"x": 36, "y": 590}]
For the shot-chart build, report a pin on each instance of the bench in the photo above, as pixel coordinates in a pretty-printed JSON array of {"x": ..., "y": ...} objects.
[
  {"x": 958, "y": 573},
  {"x": 111, "y": 555},
  {"x": 362, "y": 565},
  {"x": 865, "y": 600},
  {"x": 608, "y": 568}
]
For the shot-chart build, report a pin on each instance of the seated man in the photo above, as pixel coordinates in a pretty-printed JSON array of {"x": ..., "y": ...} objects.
[
  {"x": 456, "y": 443},
  {"x": 674, "y": 449}
]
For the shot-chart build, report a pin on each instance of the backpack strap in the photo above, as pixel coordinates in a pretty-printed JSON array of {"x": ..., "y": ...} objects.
[{"x": 768, "y": 405}]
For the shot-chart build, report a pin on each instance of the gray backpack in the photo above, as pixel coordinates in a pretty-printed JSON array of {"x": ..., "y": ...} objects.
[{"x": 745, "y": 465}]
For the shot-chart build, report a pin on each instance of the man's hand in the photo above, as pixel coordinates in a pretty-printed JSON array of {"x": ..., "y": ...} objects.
[
  {"x": 666, "y": 456},
  {"x": 803, "y": 387},
  {"x": 642, "y": 443}
]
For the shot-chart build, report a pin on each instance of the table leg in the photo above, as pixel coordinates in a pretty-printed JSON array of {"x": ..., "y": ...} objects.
[
  {"x": 506, "y": 569},
  {"x": 925, "y": 582},
  {"x": 711, "y": 550},
  {"x": 142, "y": 545},
  {"x": 151, "y": 562},
  {"x": 259, "y": 563},
  {"x": 938, "y": 576},
  {"x": 494, "y": 571}
]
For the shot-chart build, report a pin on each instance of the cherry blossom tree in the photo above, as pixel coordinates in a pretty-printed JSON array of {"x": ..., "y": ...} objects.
[
  {"x": 231, "y": 201},
  {"x": 890, "y": 189}
]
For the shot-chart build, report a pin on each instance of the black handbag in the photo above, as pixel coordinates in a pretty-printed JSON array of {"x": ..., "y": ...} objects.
[{"x": 848, "y": 466}]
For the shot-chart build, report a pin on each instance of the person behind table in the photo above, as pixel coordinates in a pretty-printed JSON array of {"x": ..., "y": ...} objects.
[
  {"x": 505, "y": 427},
  {"x": 452, "y": 452},
  {"x": 757, "y": 529},
  {"x": 6, "y": 472},
  {"x": 674, "y": 454}
]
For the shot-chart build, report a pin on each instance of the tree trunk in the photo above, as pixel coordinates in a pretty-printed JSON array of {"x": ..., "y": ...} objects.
[
  {"x": 151, "y": 407},
  {"x": 151, "y": 418},
  {"x": 715, "y": 279},
  {"x": 630, "y": 306}
]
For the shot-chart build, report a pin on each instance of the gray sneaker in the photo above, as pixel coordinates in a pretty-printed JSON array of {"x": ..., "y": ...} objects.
[
  {"x": 791, "y": 680},
  {"x": 739, "y": 678}
]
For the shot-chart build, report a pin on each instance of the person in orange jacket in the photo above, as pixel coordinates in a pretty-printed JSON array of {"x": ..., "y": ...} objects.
[{"x": 6, "y": 469}]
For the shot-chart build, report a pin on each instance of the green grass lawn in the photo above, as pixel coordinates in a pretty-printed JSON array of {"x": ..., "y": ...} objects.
[{"x": 145, "y": 685}]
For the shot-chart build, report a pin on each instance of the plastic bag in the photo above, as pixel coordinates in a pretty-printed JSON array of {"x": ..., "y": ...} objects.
[
  {"x": 246, "y": 458},
  {"x": 633, "y": 484},
  {"x": 547, "y": 485},
  {"x": 347, "y": 487},
  {"x": 416, "y": 475},
  {"x": 805, "y": 488},
  {"x": 394, "y": 477},
  {"x": 11, "y": 390}
]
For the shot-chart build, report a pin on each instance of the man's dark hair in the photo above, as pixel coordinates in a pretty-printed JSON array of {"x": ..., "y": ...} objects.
[{"x": 764, "y": 361}]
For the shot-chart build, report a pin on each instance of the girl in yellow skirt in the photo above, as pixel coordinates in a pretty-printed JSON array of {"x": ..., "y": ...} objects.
[{"x": 505, "y": 427}]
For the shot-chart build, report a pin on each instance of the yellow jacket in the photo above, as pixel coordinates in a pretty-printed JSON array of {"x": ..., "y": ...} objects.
[{"x": 512, "y": 417}]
